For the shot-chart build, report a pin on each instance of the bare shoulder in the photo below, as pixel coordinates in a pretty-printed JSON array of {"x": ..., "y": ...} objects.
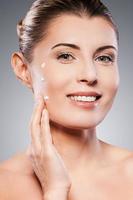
[
  {"x": 17, "y": 179},
  {"x": 127, "y": 171},
  {"x": 129, "y": 165},
  {"x": 123, "y": 158},
  {"x": 18, "y": 163}
]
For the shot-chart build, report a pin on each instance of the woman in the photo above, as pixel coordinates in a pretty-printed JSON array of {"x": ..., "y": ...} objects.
[{"x": 68, "y": 58}]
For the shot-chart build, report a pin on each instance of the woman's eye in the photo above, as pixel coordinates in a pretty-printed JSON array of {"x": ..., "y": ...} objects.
[
  {"x": 65, "y": 57},
  {"x": 105, "y": 59}
]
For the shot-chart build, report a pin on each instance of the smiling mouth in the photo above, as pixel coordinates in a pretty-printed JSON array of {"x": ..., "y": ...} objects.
[
  {"x": 84, "y": 99},
  {"x": 84, "y": 102}
]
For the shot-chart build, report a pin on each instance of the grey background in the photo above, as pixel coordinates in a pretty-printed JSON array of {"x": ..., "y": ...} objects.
[{"x": 16, "y": 101}]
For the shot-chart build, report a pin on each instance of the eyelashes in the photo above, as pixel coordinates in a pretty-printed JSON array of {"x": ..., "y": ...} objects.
[
  {"x": 67, "y": 57},
  {"x": 106, "y": 59}
]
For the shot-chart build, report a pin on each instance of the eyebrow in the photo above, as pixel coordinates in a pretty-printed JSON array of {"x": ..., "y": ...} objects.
[
  {"x": 106, "y": 47},
  {"x": 102, "y": 48},
  {"x": 68, "y": 45}
]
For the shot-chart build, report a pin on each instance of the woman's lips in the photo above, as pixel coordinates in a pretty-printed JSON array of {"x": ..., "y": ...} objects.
[{"x": 85, "y": 93}]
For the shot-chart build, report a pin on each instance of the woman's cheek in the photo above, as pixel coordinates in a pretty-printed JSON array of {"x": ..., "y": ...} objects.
[
  {"x": 110, "y": 79},
  {"x": 110, "y": 89},
  {"x": 114, "y": 81},
  {"x": 58, "y": 77}
]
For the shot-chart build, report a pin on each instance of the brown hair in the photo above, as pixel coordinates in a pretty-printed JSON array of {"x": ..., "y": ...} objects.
[{"x": 33, "y": 28}]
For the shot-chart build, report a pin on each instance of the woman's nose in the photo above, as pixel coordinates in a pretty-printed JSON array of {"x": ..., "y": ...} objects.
[{"x": 88, "y": 73}]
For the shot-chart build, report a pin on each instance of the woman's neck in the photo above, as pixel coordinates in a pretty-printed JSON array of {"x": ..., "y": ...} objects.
[{"x": 77, "y": 146}]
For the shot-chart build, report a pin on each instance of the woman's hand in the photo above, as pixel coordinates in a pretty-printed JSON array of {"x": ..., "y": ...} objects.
[{"x": 47, "y": 163}]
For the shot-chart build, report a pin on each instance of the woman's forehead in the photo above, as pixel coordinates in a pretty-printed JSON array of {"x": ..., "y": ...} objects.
[{"x": 83, "y": 31}]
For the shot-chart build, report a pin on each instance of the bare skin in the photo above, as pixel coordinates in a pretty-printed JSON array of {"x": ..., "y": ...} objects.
[
  {"x": 95, "y": 170},
  {"x": 112, "y": 181}
]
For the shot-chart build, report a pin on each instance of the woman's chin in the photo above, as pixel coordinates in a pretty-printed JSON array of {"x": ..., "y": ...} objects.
[
  {"x": 75, "y": 125},
  {"x": 83, "y": 126}
]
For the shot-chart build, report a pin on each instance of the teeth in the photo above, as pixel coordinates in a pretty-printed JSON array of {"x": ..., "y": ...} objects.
[{"x": 83, "y": 98}]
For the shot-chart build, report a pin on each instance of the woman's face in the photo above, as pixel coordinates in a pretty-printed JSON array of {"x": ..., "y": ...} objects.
[{"x": 87, "y": 62}]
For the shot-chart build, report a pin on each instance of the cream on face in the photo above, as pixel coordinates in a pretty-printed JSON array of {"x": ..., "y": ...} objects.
[
  {"x": 40, "y": 87},
  {"x": 43, "y": 65},
  {"x": 42, "y": 79},
  {"x": 46, "y": 98}
]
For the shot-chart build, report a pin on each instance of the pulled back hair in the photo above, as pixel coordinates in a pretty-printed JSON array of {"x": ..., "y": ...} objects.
[{"x": 33, "y": 28}]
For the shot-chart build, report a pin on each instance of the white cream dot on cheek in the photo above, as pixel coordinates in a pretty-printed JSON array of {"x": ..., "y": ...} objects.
[
  {"x": 46, "y": 98},
  {"x": 42, "y": 79},
  {"x": 43, "y": 65}
]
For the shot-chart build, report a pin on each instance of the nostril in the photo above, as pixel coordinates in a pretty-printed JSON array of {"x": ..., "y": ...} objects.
[
  {"x": 94, "y": 82},
  {"x": 83, "y": 81},
  {"x": 90, "y": 82}
]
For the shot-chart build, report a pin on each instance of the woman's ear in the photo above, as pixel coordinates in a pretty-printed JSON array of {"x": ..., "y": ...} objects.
[{"x": 20, "y": 69}]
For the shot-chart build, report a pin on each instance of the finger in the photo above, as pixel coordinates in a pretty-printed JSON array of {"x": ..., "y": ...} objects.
[
  {"x": 35, "y": 125},
  {"x": 46, "y": 137},
  {"x": 37, "y": 113}
]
